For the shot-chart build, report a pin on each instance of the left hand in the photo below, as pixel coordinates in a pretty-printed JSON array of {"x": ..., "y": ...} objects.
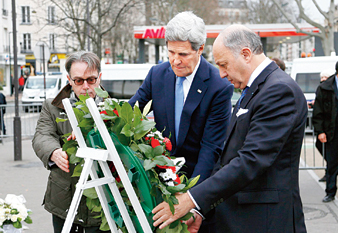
[
  {"x": 162, "y": 213},
  {"x": 194, "y": 224}
]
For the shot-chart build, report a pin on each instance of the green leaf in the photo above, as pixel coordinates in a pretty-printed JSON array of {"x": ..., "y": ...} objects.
[
  {"x": 147, "y": 108},
  {"x": 127, "y": 113},
  {"x": 158, "y": 151},
  {"x": 143, "y": 128},
  {"x": 84, "y": 97},
  {"x": 17, "y": 224},
  {"x": 91, "y": 193},
  {"x": 119, "y": 123},
  {"x": 163, "y": 160},
  {"x": 77, "y": 170},
  {"x": 148, "y": 164},
  {"x": 93, "y": 204},
  {"x": 126, "y": 130},
  {"x": 175, "y": 189},
  {"x": 28, "y": 220},
  {"x": 104, "y": 225},
  {"x": 101, "y": 93},
  {"x": 146, "y": 150},
  {"x": 58, "y": 120},
  {"x": 187, "y": 216}
]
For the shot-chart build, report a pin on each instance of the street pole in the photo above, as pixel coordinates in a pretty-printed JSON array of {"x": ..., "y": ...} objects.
[
  {"x": 17, "y": 120},
  {"x": 88, "y": 39},
  {"x": 10, "y": 64},
  {"x": 44, "y": 68}
]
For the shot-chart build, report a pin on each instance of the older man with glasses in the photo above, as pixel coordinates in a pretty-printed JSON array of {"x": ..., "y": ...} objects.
[{"x": 84, "y": 76}]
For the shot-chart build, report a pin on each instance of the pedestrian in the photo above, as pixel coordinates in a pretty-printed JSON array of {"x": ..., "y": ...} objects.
[
  {"x": 324, "y": 75},
  {"x": 198, "y": 123},
  {"x": 84, "y": 76},
  {"x": 325, "y": 123},
  {"x": 3, "y": 102},
  {"x": 256, "y": 188},
  {"x": 21, "y": 83}
]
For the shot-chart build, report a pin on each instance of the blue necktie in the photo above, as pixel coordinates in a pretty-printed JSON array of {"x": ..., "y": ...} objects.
[
  {"x": 242, "y": 96},
  {"x": 179, "y": 102}
]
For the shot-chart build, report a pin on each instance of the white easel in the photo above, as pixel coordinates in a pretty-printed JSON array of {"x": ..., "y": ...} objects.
[{"x": 91, "y": 155}]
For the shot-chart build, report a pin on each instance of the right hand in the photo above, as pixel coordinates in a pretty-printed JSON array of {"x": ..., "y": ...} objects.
[
  {"x": 60, "y": 158},
  {"x": 322, "y": 138}
]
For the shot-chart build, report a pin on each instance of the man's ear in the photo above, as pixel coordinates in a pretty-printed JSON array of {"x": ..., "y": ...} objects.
[
  {"x": 69, "y": 80},
  {"x": 246, "y": 53},
  {"x": 200, "y": 50}
]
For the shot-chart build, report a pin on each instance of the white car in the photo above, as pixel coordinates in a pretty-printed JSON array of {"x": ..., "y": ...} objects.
[{"x": 34, "y": 92}]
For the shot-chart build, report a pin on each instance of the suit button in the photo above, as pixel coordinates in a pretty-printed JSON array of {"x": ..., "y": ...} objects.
[{"x": 222, "y": 200}]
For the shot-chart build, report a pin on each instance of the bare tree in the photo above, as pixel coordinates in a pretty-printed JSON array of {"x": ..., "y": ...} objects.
[
  {"x": 326, "y": 33},
  {"x": 265, "y": 11},
  {"x": 103, "y": 16}
]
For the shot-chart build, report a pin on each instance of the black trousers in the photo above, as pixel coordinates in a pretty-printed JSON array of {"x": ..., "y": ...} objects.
[
  {"x": 76, "y": 228},
  {"x": 332, "y": 165}
]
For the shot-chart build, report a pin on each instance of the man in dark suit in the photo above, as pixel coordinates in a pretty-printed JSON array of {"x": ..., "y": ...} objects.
[
  {"x": 256, "y": 188},
  {"x": 207, "y": 98}
]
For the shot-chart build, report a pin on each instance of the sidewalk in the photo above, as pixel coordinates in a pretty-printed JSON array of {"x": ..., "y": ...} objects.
[{"x": 29, "y": 177}]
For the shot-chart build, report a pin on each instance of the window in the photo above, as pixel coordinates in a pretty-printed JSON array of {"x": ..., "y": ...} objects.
[
  {"x": 52, "y": 39},
  {"x": 27, "y": 41},
  {"x": 308, "y": 82},
  {"x": 25, "y": 10},
  {"x": 51, "y": 15}
]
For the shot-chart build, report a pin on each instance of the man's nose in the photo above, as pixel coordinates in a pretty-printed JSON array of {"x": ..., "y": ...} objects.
[
  {"x": 223, "y": 73},
  {"x": 85, "y": 84}
]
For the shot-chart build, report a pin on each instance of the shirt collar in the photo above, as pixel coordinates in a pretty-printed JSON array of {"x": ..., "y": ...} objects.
[{"x": 258, "y": 70}]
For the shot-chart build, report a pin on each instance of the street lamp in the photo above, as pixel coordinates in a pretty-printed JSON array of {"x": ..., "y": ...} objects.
[{"x": 10, "y": 63}]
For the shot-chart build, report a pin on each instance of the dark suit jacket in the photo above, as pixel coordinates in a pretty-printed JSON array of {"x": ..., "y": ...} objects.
[
  {"x": 256, "y": 189},
  {"x": 205, "y": 116}
]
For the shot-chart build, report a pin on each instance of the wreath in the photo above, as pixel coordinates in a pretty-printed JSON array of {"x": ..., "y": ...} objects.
[{"x": 133, "y": 130}]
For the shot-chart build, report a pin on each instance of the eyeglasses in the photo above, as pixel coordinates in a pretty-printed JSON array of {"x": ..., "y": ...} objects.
[{"x": 80, "y": 81}]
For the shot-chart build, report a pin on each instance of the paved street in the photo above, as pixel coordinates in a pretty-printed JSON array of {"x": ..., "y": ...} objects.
[{"x": 29, "y": 177}]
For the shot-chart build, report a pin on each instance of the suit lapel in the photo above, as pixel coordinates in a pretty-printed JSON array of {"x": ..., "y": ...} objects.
[
  {"x": 169, "y": 93},
  {"x": 252, "y": 91},
  {"x": 196, "y": 92}
]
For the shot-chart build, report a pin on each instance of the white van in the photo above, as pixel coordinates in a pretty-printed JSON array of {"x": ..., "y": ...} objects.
[
  {"x": 34, "y": 92},
  {"x": 306, "y": 72},
  {"x": 122, "y": 81}
]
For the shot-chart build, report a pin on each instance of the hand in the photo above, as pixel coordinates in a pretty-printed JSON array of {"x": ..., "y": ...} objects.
[
  {"x": 194, "y": 224},
  {"x": 163, "y": 214},
  {"x": 322, "y": 138},
  {"x": 60, "y": 158},
  {"x": 71, "y": 137}
]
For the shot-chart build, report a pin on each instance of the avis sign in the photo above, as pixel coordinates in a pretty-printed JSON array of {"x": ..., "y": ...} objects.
[{"x": 154, "y": 33}]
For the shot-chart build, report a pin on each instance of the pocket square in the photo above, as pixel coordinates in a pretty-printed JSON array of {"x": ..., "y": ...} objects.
[{"x": 241, "y": 111}]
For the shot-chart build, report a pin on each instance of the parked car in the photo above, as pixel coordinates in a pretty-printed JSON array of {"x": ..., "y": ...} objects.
[{"x": 34, "y": 92}]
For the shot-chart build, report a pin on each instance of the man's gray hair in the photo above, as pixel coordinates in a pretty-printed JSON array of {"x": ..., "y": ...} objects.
[
  {"x": 186, "y": 26},
  {"x": 90, "y": 58},
  {"x": 239, "y": 37}
]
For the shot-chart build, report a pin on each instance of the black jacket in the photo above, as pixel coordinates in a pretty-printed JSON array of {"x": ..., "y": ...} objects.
[{"x": 325, "y": 109}]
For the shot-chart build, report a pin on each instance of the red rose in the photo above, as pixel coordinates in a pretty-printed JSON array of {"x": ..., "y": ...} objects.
[
  {"x": 118, "y": 179},
  {"x": 178, "y": 181},
  {"x": 116, "y": 112},
  {"x": 168, "y": 144},
  {"x": 104, "y": 112},
  {"x": 146, "y": 138},
  {"x": 154, "y": 142}
]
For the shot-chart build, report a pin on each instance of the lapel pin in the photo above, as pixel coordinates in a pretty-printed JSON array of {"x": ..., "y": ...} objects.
[{"x": 199, "y": 91}]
